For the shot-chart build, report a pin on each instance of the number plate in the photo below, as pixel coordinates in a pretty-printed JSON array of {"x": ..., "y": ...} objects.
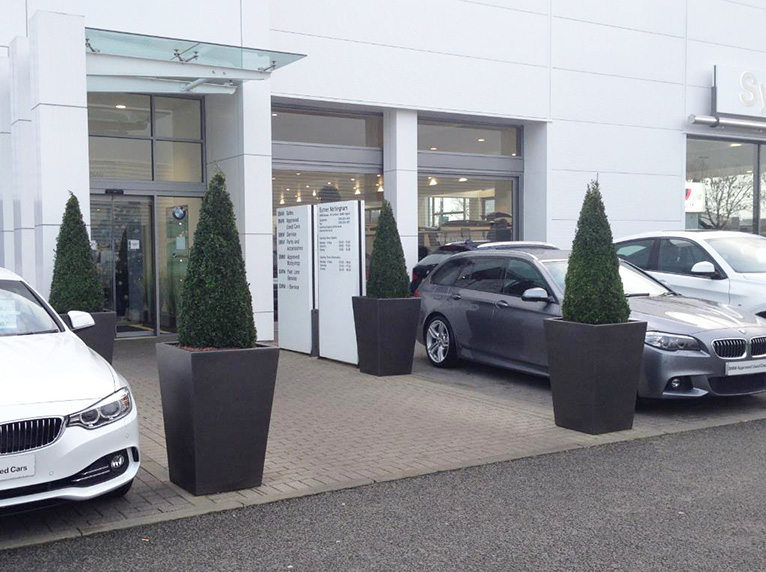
[
  {"x": 745, "y": 367},
  {"x": 17, "y": 467}
]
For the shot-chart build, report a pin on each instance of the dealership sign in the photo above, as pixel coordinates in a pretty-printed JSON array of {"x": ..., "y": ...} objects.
[{"x": 739, "y": 91}]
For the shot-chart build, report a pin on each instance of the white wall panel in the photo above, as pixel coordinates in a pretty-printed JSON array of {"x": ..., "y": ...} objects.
[
  {"x": 702, "y": 56},
  {"x": 217, "y": 21},
  {"x": 366, "y": 74},
  {"x": 727, "y": 23},
  {"x": 537, "y": 6},
  {"x": 609, "y": 99},
  {"x": 443, "y": 26},
  {"x": 615, "y": 51},
  {"x": 609, "y": 148},
  {"x": 659, "y": 16}
]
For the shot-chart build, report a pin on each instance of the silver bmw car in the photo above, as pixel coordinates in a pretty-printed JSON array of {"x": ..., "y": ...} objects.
[{"x": 490, "y": 306}]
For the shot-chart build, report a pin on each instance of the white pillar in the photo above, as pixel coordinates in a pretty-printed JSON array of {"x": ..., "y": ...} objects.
[
  {"x": 536, "y": 177},
  {"x": 6, "y": 167},
  {"x": 60, "y": 117},
  {"x": 400, "y": 176},
  {"x": 23, "y": 162}
]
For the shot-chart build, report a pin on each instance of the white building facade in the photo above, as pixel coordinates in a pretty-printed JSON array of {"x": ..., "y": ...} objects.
[{"x": 477, "y": 120}]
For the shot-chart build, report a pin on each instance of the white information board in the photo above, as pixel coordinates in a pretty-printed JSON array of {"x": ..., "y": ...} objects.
[
  {"x": 295, "y": 276},
  {"x": 340, "y": 276}
]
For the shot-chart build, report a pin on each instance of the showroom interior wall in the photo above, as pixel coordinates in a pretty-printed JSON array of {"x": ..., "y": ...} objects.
[{"x": 599, "y": 87}]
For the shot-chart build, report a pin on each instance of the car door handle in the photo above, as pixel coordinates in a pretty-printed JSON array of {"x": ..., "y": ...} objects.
[
  {"x": 502, "y": 304},
  {"x": 456, "y": 296}
]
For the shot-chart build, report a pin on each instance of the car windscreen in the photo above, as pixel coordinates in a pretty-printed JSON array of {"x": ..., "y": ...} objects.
[
  {"x": 743, "y": 253},
  {"x": 21, "y": 313},
  {"x": 434, "y": 259},
  {"x": 633, "y": 282}
]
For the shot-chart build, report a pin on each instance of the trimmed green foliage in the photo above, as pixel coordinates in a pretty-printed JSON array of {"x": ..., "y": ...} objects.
[
  {"x": 76, "y": 283},
  {"x": 594, "y": 292},
  {"x": 388, "y": 271},
  {"x": 216, "y": 306}
]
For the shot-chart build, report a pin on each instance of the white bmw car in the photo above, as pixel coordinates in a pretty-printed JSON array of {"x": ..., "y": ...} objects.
[{"x": 68, "y": 422}]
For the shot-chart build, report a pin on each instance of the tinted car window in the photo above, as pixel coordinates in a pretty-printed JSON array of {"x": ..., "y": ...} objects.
[
  {"x": 520, "y": 276},
  {"x": 484, "y": 274},
  {"x": 636, "y": 252},
  {"x": 677, "y": 256},
  {"x": 445, "y": 276},
  {"x": 433, "y": 259}
]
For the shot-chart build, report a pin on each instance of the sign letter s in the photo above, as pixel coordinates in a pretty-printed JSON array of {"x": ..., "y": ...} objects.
[{"x": 749, "y": 84}]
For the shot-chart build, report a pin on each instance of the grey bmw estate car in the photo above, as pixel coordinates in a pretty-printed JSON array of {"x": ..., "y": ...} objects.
[{"x": 489, "y": 307}]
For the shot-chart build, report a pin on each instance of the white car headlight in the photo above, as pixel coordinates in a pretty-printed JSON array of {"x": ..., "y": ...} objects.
[
  {"x": 108, "y": 410},
  {"x": 672, "y": 342}
]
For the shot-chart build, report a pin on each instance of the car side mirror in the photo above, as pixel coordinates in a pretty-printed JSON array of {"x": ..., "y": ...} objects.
[
  {"x": 80, "y": 320},
  {"x": 704, "y": 268},
  {"x": 535, "y": 295}
]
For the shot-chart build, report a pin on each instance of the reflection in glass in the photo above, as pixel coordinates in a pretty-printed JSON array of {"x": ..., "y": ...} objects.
[
  {"x": 124, "y": 159},
  {"x": 177, "y": 118},
  {"x": 719, "y": 185},
  {"x": 326, "y": 128},
  {"x": 179, "y": 162},
  {"x": 119, "y": 114},
  {"x": 474, "y": 139},
  {"x": 453, "y": 208},
  {"x": 178, "y": 222}
]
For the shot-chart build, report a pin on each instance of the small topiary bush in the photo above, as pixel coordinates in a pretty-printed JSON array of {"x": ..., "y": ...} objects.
[
  {"x": 76, "y": 283},
  {"x": 216, "y": 306},
  {"x": 388, "y": 271},
  {"x": 594, "y": 292}
]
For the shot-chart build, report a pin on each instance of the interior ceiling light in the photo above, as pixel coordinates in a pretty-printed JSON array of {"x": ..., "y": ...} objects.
[
  {"x": 735, "y": 144},
  {"x": 314, "y": 193},
  {"x": 433, "y": 148},
  {"x": 481, "y": 140},
  {"x": 433, "y": 182},
  {"x": 380, "y": 188},
  {"x": 462, "y": 180},
  {"x": 357, "y": 192},
  {"x": 120, "y": 106},
  {"x": 298, "y": 198},
  {"x": 282, "y": 200},
  {"x": 274, "y": 114},
  {"x": 513, "y": 154}
]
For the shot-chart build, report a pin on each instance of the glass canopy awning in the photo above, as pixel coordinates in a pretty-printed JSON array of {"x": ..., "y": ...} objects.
[{"x": 121, "y": 60}]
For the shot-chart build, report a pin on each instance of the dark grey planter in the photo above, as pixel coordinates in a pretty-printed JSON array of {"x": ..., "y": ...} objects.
[
  {"x": 99, "y": 338},
  {"x": 385, "y": 334},
  {"x": 594, "y": 374},
  {"x": 217, "y": 409}
]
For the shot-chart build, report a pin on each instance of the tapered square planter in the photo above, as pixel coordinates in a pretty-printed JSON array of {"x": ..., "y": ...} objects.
[
  {"x": 385, "y": 334},
  {"x": 594, "y": 374},
  {"x": 217, "y": 408},
  {"x": 99, "y": 338}
]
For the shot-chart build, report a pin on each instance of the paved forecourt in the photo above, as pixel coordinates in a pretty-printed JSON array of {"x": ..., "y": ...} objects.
[{"x": 335, "y": 428}]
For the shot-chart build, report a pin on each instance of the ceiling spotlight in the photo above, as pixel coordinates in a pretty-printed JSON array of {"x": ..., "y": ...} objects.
[
  {"x": 481, "y": 140},
  {"x": 120, "y": 106},
  {"x": 513, "y": 154},
  {"x": 357, "y": 192},
  {"x": 282, "y": 200},
  {"x": 434, "y": 148},
  {"x": 735, "y": 144},
  {"x": 433, "y": 182},
  {"x": 298, "y": 174},
  {"x": 329, "y": 183},
  {"x": 462, "y": 180},
  {"x": 380, "y": 188},
  {"x": 298, "y": 199},
  {"x": 274, "y": 114},
  {"x": 314, "y": 193},
  {"x": 378, "y": 175},
  {"x": 307, "y": 186}
]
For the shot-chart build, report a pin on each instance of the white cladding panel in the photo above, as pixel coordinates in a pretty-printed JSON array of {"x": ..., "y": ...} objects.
[{"x": 659, "y": 16}]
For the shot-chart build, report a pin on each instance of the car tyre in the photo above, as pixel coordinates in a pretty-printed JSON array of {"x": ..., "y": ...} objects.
[
  {"x": 441, "y": 348},
  {"x": 119, "y": 492}
]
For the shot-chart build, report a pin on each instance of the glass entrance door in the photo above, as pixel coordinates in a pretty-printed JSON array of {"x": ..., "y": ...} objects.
[{"x": 122, "y": 229}]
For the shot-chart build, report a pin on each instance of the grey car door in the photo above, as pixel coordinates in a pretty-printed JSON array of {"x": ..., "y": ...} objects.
[
  {"x": 473, "y": 295},
  {"x": 517, "y": 325}
]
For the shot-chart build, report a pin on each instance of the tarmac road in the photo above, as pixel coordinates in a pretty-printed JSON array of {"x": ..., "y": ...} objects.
[{"x": 688, "y": 501}]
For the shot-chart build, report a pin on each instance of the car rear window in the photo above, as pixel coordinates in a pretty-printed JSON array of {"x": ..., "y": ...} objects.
[{"x": 434, "y": 259}]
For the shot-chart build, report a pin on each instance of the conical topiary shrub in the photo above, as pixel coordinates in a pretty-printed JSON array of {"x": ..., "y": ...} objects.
[
  {"x": 594, "y": 292},
  {"x": 216, "y": 306},
  {"x": 76, "y": 284},
  {"x": 388, "y": 271}
]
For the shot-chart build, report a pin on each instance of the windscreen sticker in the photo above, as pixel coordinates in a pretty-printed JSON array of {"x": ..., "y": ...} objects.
[{"x": 8, "y": 315}]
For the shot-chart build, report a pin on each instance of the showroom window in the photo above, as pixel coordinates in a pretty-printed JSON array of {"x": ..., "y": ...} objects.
[
  {"x": 145, "y": 138},
  {"x": 721, "y": 189},
  {"x": 468, "y": 183},
  {"x": 326, "y": 128}
]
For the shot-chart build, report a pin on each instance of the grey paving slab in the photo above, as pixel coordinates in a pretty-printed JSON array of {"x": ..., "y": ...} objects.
[{"x": 335, "y": 428}]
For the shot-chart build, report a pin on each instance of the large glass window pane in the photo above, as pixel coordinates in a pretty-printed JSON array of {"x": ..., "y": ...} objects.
[
  {"x": 124, "y": 159},
  {"x": 474, "y": 139},
  {"x": 327, "y": 128},
  {"x": 453, "y": 208},
  {"x": 178, "y": 218},
  {"x": 119, "y": 114},
  {"x": 719, "y": 185},
  {"x": 762, "y": 222},
  {"x": 177, "y": 118},
  {"x": 179, "y": 162}
]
